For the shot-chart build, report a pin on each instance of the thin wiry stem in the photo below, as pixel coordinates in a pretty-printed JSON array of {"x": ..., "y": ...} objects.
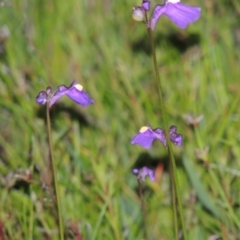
[
  {"x": 174, "y": 197},
  {"x": 176, "y": 200},
  {"x": 144, "y": 214},
  {"x": 54, "y": 173}
]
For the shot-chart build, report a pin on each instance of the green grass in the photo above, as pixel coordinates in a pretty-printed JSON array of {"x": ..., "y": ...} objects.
[{"x": 99, "y": 45}]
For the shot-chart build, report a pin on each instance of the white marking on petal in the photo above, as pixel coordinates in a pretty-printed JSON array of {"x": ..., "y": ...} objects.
[
  {"x": 78, "y": 87},
  {"x": 143, "y": 129},
  {"x": 172, "y": 1}
]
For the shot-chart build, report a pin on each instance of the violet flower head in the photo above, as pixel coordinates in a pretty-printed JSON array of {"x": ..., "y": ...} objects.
[
  {"x": 175, "y": 138},
  {"x": 42, "y": 97},
  {"x": 143, "y": 172},
  {"x": 74, "y": 91},
  {"x": 147, "y": 135},
  {"x": 181, "y": 14}
]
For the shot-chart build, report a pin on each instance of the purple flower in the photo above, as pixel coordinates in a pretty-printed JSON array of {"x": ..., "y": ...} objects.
[
  {"x": 143, "y": 172},
  {"x": 181, "y": 14},
  {"x": 74, "y": 92},
  {"x": 175, "y": 137},
  {"x": 147, "y": 135}
]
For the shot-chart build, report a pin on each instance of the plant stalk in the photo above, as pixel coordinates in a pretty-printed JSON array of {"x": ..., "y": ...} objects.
[
  {"x": 176, "y": 200},
  {"x": 144, "y": 214},
  {"x": 54, "y": 173}
]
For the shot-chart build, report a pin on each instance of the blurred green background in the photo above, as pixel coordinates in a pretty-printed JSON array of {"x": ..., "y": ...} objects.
[{"x": 49, "y": 43}]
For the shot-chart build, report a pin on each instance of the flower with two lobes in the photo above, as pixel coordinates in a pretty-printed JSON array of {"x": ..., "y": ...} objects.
[
  {"x": 74, "y": 92},
  {"x": 147, "y": 135},
  {"x": 181, "y": 14},
  {"x": 143, "y": 172}
]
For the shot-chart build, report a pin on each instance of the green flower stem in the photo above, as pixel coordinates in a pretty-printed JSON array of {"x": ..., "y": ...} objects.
[
  {"x": 177, "y": 203},
  {"x": 143, "y": 209},
  {"x": 54, "y": 172},
  {"x": 174, "y": 197}
]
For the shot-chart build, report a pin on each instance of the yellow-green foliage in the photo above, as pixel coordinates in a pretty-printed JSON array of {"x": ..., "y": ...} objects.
[{"x": 50, "y": 42}]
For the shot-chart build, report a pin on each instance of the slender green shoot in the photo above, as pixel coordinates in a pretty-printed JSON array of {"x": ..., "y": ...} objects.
[
  {"x": 144, "y": 214},
  {"x": 54, "y": 172},
  {"x": 176, "y": 200}
]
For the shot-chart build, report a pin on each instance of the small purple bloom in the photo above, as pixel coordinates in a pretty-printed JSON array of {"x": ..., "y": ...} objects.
[
  {"x": 44, "y": 96},
  {"x": 41, "y": 98},
  {"x": 175, "y": 137},
  {"x": 143, "y": 172},
  {"x": 147, "y": 135},
  {"x": 74, "y": 92},
  {"x": 181, "y": 14},
  {"x": 146, "y": 5}
]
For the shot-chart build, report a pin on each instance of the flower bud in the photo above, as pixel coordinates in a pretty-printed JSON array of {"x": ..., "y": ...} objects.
[{"x": 138, "y": 14}]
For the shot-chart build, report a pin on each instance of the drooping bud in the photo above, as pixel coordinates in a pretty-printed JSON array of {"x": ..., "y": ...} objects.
[{"x": 138, "y": 14}]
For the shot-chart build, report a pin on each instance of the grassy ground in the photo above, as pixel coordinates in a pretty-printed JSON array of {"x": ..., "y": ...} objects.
[{"x": 97, "y": 43}]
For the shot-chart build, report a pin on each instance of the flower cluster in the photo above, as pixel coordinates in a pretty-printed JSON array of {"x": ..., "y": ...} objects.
[
  {"x": 147, "y": 135},
  {"x": 181, "y": 14},
  {"x": 74, "y": 92},
  {"x": 145, "y": 138}
]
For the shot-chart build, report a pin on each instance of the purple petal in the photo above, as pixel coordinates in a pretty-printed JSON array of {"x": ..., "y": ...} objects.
[
  {"x": 143, "y": 172},
  {"x": 79, "y": 96},
  {"x": 182, "y": 14},
  {"x": 41, "y": 98},
  {"x": 146, "y": 5},
  {"x": 135, "y": 171},
  {"x": 160, "y": 135},
  {"x": 74, "y": 92},
  {"x": 151, "y": 174},
  {"x": 179, "y": 13},
  {"x": 156, "y": 13},
  {"x": 172, "y": 129},
  {"x": 176, "y": 138},
  {"x": 144, "y": 138},
  {"x": 62, "y": 90}
]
